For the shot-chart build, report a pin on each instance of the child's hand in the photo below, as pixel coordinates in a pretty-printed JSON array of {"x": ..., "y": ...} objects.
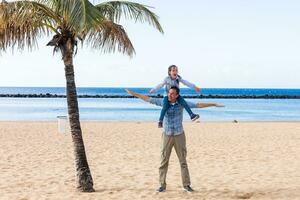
[
  {"x": 151, "y": 91},
  {"x": 197, "y": 89}
]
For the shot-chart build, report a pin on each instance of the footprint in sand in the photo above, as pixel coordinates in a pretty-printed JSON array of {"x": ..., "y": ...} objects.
[{"x": 247, "y": 195}]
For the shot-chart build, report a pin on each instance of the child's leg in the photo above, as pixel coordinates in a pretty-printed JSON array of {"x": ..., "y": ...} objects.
[
  {"x": 182, "y": 102},
  {"x": 165, "y": 107}
]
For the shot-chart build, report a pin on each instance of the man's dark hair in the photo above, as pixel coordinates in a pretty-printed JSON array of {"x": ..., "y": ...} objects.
[{"x": 175, "y": 88}]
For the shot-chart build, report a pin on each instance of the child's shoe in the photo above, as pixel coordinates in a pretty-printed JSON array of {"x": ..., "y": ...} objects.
[
  {"x": 194, "y": 117},
  {"x": 160, "y": 124}
]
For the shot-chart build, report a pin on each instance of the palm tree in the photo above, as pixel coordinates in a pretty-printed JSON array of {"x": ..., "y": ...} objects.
[{"x": 72, "y": 21}]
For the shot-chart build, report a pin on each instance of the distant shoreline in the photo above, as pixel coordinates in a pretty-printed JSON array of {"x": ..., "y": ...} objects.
[{"x": 48, "y": 95}]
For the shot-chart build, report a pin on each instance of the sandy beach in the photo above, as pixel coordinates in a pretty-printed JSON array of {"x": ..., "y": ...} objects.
[{"x": 226, "y": 160}]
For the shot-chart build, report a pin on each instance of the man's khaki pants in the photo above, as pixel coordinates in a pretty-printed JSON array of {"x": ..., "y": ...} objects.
[{"x": 179, "y": 144}]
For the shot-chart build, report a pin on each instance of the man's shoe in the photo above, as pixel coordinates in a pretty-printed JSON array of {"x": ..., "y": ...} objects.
[
  {"x": 194, "y": 117},
  {"x": 160, "y": 124},
  {"x": 188, "y": 188},
  {"x": 161, "y": 189}
]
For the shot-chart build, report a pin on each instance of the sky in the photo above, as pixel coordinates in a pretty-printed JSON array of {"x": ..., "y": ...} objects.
[{"x": 214, "y": 43}]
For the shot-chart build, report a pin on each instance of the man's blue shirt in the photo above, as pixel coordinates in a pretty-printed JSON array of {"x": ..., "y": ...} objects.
[{"x": 174, "y": 116}]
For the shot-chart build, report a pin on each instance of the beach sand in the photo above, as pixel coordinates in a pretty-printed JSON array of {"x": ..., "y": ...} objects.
[{"x": 226, "y": 161}]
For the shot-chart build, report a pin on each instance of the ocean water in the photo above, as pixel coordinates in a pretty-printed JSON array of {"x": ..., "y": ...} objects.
[
  {"x": 145, "y": 91},
  {"x": 124, "y": 109}
]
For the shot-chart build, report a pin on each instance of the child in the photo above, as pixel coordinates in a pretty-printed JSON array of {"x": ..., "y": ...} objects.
[{"x": 173, "y": 79}]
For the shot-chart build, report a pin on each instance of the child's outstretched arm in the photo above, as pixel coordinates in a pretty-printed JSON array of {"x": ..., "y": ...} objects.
[
  {"x": 190, "y": 85},
  {"x": 158, "y": 87}
]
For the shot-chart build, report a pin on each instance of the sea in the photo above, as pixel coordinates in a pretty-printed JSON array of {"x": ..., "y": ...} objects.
[{"x": 132, "y": 109}]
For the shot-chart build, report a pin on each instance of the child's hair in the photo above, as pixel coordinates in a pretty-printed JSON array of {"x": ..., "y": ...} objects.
[{"x": 170, "y": 68}]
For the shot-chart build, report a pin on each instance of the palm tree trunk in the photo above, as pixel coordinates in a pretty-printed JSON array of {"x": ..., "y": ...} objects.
[{"x": 84, "y": 178}]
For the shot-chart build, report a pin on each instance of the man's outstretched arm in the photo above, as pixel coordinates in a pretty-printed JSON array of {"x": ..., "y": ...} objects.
[
  {"x": 143, "y": 97},
  {"x": 158, "y": 102},
  {"x": 205, "y": 105}
]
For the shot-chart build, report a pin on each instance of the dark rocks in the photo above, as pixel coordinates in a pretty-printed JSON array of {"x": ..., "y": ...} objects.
[{"x": 48, "y": 95}]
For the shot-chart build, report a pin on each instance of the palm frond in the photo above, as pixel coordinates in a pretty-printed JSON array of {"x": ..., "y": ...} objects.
[
  {"x": 75, "y": 15},
  {"x": 109, "y": 37},
  {"x": 114, "y": 10},
  {"x": 22, "y": 22}
]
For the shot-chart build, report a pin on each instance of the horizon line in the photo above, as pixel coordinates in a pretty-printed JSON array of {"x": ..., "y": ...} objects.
[{"x": 123, "y": 87}]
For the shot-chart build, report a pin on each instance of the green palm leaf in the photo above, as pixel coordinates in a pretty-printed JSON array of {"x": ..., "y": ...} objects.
[
  {"x": 22, "y": 22},
  {"x": 114, "y": 10},
  {"x": 108, "y": 36}
]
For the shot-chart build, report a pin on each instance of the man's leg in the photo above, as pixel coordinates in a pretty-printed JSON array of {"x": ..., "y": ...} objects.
[
  {"x": 166, "y": 149},
  {"x": 180, "y": 148}
]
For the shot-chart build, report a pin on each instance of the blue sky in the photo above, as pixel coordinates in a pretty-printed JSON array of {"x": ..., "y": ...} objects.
[{"x": 215, "y": 43}]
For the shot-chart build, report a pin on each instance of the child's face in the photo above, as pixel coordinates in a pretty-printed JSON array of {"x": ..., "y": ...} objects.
[{"x": 173, "y": 72}]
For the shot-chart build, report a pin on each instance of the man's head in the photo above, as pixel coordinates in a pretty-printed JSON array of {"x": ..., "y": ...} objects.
[{"x": 173, "y": 94}]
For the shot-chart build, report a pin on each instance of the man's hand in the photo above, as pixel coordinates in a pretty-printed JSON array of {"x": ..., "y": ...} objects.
[
  {"x": 219, "y": 105},
  {"x": 143, "y": 97},
  {"x": 129, "y": 92}
]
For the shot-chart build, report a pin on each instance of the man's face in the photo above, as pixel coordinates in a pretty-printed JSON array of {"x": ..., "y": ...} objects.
[{"x": 172, "y": 95}]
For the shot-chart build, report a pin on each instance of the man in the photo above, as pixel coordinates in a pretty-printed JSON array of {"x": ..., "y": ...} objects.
[{"x": 173, "y": 135}]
